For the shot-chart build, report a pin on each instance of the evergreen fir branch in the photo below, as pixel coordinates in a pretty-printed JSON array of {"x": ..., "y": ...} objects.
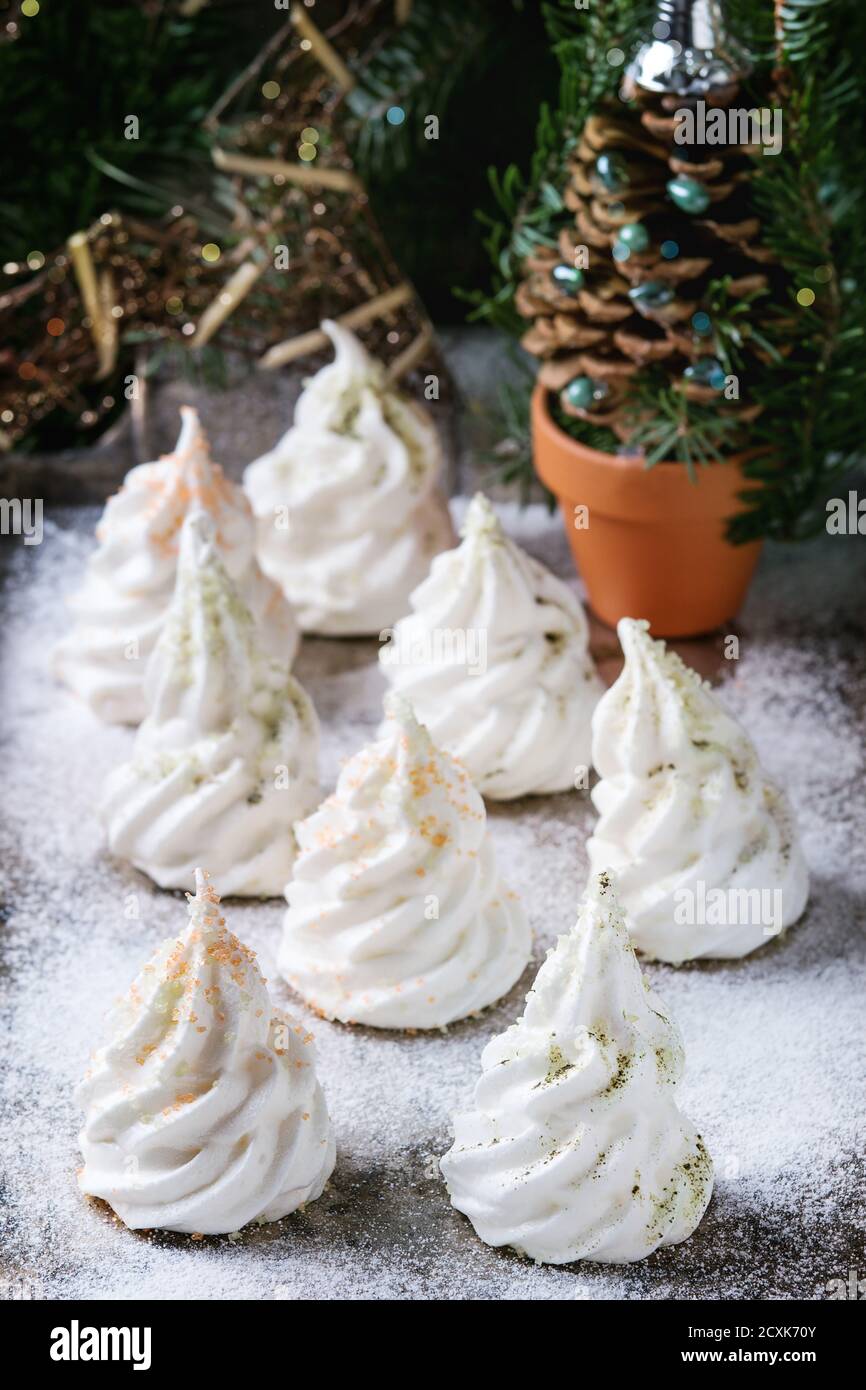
[
  {"x": 70, "y": 81},
  {"x": 586, "y": 432},
  {"x": 153, "y": 198},
  {"x": 812, "y": 28},
  {"x": 668, "y": 427},
  {"x": 511, "y": 457},
  {"x": 812, "y": 199},
  {"x": 754, "y": 26},
  {"x": 416, "y": 71}
]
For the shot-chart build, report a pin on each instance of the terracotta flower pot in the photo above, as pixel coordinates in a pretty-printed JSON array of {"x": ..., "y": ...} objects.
[{"x": 654, "y": 546}]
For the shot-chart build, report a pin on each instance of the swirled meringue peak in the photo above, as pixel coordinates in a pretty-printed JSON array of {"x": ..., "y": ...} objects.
[
  {"x": 397, "y": 916},
  {"x": 574, "y": 1148},
  {"x": 203, "y": 1110},
  {"x": 227, "y": 758},
  {"x": 129, "y": 581},
  {"x": 347, "y": 508},
  {"x": 495, "y": 659},
  {"x": 703, "y": 844}
]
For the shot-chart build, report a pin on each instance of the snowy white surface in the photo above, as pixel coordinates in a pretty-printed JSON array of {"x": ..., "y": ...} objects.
[{"x": 776, "y": 1044}]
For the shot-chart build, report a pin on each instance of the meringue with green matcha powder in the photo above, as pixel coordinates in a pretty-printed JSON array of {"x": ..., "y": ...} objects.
[
  {"x": 348, "y": 508},
  {"x": 573, "y": 1146},
  {"x": 704, "y": 844},
  {"x": 495, "y": 659},
  {"x": 227, "y": 758}
]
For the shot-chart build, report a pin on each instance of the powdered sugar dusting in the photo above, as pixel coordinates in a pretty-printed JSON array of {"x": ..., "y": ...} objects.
[{"x": 776, "y": 1050}]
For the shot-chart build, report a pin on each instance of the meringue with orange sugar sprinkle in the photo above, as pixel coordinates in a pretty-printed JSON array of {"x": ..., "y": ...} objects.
[
  {"x": 227, "y": 759},
  {"x": 120, "y": 609},
  {"x": 397, "y": 915},
  {"x": 203, "y": 1111}
]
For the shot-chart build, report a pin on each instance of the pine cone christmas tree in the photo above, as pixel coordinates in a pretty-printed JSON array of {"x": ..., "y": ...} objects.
[{"x": 655, "y": 222}]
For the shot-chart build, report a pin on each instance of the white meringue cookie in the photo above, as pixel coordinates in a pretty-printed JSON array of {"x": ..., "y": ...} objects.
[
  {"x": 495, "y": 660},
  {"x": 574, "y": 1148},
  {"x": 203, "y": 1111},
  {"x": 397, "y": 916},
  {"x": 227, "y": 758},
  {"x": 346, "y": 503},
  {"x": 129, "y": 581},
  {"x": 688, "y": 820}
]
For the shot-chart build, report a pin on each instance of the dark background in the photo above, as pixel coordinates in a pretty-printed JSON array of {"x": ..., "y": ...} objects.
[{"x": 79, "y": 67}]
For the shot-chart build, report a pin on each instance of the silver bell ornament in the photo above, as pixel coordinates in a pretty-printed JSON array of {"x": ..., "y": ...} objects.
[{"x": 690, "y": 54}]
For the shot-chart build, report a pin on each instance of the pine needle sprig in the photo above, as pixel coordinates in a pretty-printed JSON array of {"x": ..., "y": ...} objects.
[{"x": 413, "y": 75}]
